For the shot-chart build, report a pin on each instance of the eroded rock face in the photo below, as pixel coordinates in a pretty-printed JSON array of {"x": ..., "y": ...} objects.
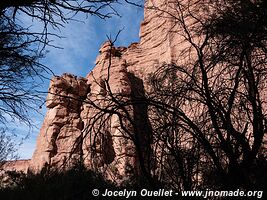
[
  {"x": 18, "y": 165},
  {"x": 60, "y": 134},
  {"x": 72, "y": 130},
  {"x": 88, "y": 118}
]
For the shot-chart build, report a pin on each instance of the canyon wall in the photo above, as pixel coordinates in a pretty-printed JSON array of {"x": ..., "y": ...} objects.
[
  {"x": 91, "y": 120},
  {"x": 71, "y": 131}
]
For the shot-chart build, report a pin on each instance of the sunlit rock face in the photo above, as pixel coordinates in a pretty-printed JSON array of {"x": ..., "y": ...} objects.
[
  {"x": 17, "y": 165},
  {"x": 62, "y": 126},
  {"x": 70, "y": 132},
  {"x": 88, "y": 118}
]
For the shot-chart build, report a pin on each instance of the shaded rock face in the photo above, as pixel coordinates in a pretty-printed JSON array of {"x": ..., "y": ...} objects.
[{"x": 71, "y": 131}]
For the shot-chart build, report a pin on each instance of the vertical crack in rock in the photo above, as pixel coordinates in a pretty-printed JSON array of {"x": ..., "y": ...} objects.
[{"x": 142, "y": 126}]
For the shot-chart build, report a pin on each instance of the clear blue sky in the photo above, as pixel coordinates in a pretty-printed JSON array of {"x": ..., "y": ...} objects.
[{"x": 80, "y": 48}]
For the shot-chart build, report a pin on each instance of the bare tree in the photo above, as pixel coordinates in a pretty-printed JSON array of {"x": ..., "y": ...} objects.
[
  {"x": 7, "y": 147},
  {"x": 132, "y": 124},
  {"x": 19, "y": 63},
  {"x": 207, "y": 114},
  {"x": 217, "y": 96},
  {"x": 204, "y": 117},
  {"x": 21, "y": 49},
  {"x": 49, "y": 9}
]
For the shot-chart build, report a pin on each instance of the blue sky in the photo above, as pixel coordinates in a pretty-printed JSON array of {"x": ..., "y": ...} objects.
[{"x": 80, "y": 44}]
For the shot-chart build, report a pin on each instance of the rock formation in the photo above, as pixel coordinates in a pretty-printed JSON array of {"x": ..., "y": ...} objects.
[
  {"x": 63, "y": 125},
  {"x": 90, "y": 120},
  {"x": 17, "y": 165},
  {"x": 69, "y": 132}
]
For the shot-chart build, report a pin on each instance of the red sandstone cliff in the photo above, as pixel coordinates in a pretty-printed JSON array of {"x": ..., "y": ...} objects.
[
  {"x": 67, "y": 134},
  {"x": 75, "y": 129}
]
